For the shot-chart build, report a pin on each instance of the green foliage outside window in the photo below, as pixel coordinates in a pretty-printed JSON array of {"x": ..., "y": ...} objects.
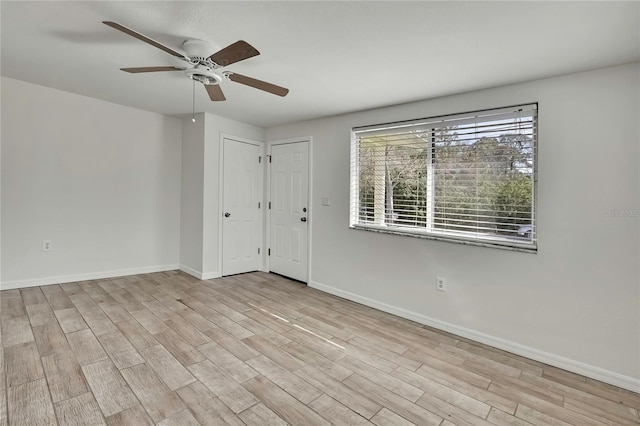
[{"x": 482, "y": 185}]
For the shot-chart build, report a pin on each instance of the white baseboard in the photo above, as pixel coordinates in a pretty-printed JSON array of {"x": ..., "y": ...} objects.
[
  {"x": 10, "y": 285},
  {"x": 210, "y": 275},
  {"x": 190, "y": 271},
  {"x": 574, "y": 366},
  {"x": 198, "y": 274}
]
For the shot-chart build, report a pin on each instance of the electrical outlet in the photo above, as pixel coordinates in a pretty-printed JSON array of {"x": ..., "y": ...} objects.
[
  {"x": 441, "y": 284},
  {"x": 47, "y": 245}
]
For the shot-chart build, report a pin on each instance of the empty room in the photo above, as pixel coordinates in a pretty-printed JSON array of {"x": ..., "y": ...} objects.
[{"x": 320, "y": 213}]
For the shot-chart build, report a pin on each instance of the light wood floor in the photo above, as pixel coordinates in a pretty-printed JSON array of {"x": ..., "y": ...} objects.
[{"x": 258, "y": 349}]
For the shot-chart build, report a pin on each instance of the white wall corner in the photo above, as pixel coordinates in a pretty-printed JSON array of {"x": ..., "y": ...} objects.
[
  {"x": 190, "y": 271},
  {"x": 558, "y": 361},
  {"x": 10, "y": 285},
  {"x": 200, "y": 275}
]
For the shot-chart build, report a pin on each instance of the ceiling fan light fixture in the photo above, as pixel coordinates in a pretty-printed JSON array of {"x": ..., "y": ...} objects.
[
  {"x": 207, "y": 81},
  {"x": 203, "y": 75}
]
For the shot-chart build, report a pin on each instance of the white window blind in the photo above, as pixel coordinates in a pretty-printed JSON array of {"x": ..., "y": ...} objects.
[{"x": 465, "y": 177}]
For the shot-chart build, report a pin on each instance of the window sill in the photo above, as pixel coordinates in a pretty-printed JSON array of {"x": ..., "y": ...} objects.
[{"x": 505, "y": 243}]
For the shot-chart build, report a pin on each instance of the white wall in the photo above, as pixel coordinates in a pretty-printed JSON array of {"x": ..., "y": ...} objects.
[
  {"x": 99, "y": 179},
  {"x": 575, "y": 303},
  {"x": 192, "y": 184},
  {"x": 200, "y": 190}
]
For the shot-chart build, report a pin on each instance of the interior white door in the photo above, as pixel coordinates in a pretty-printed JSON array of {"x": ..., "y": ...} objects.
[
  {"x": 241, "y": 222},
  {"x": 289, "y": 193}
]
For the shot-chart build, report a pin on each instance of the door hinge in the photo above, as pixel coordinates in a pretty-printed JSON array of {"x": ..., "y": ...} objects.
[
  {"x": 258, "y": 204},
  {"x": 269, "y": 252},
  {"x": 269, "y": 158},
  {"x": 260, "y": 159},
  {"x": 269, "y": 205},
  {"x": 258, "y": 250}
]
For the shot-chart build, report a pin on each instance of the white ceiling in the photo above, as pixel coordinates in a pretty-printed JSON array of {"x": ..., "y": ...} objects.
[{"x": 335, "y": 57}]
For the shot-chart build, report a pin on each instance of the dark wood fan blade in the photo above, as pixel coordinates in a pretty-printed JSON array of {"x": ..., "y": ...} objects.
[
  {"x": 215, "y": 92},
  {"x": 258, "y": 84},
  {"x": 236, "y": 52},
  {"x": 151, "y": 69},
  {"x": 145, "y": 39}
]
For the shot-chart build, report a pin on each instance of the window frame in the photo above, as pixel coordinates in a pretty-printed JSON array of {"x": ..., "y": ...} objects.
[{"x": 429, "y": 232}]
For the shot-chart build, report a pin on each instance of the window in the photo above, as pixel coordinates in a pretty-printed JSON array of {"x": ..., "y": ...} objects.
[{"x": 466, "y": 177}]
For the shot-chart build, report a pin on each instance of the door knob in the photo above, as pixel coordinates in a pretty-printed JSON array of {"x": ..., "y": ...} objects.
[
  {"x": 227, "y": 214},
  {"x": 303, "y": 219}
]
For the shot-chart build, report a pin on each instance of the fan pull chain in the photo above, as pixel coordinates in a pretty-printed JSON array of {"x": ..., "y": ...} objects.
[{"x": 193, "y": 114}]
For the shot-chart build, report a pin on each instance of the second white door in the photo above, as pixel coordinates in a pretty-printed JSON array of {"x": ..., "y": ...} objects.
[
  {"x": 242, "y": 214},
  {"x": 289, "y": 193}
]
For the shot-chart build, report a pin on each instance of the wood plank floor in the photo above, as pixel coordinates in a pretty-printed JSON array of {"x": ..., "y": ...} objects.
[{"x": 258, "y": 349}]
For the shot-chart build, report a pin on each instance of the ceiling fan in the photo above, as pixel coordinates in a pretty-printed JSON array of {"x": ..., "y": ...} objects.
[{"x": 205, "y": 69}]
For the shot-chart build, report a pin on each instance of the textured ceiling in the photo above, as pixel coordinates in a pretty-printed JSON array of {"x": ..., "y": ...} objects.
[{"x": 335, "y": 57}]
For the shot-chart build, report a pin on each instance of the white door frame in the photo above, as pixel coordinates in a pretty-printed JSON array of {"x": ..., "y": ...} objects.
[
  {"x": 267, "y": 227},
  {"x": 224, "y": 136}
]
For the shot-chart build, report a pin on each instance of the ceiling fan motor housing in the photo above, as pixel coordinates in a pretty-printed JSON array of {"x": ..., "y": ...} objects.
[{"x": 199, "y": 52}]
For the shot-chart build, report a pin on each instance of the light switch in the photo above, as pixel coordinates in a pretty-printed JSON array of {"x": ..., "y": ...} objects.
[{"x": 325, "y": 201}]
